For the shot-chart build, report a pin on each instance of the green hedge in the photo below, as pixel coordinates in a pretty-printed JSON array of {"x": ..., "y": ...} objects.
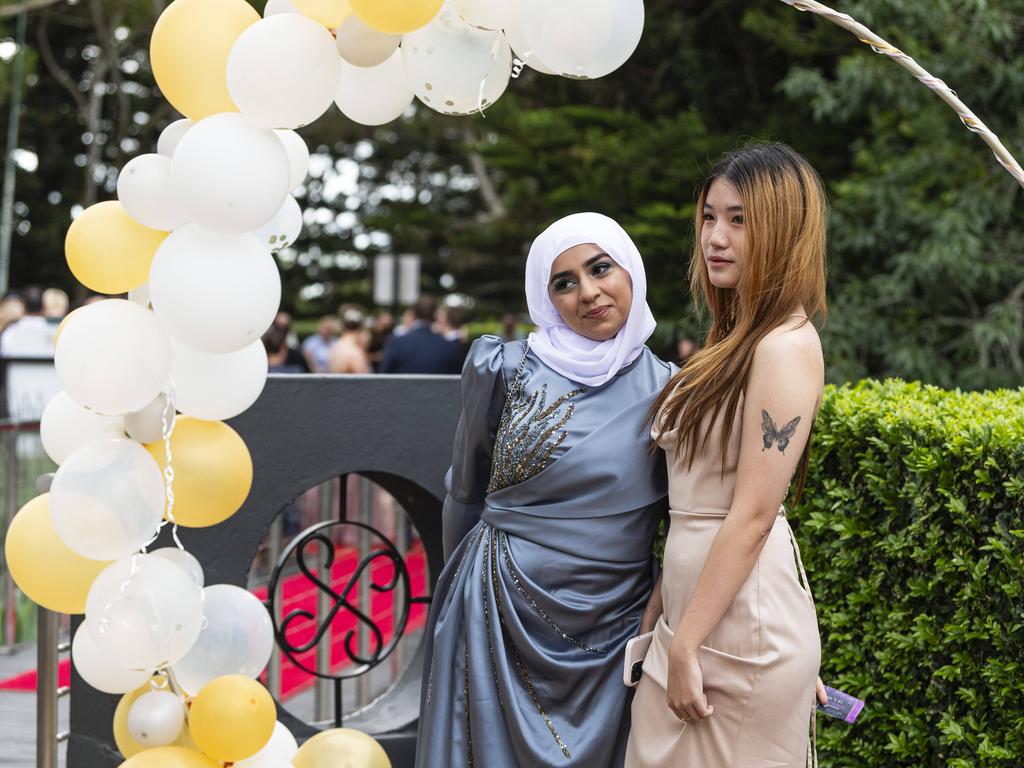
[{"x": 912, "y": 533}]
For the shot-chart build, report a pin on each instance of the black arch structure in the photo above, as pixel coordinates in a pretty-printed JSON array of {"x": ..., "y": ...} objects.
[{"x": 304, "y": 430}]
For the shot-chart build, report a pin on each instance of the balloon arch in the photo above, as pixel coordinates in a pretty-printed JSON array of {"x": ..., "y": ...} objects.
[{"x": 138, "y": 431}]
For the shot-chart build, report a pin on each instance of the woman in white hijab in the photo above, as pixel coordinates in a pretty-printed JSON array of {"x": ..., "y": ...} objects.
[{"x": 554, "y": 502}]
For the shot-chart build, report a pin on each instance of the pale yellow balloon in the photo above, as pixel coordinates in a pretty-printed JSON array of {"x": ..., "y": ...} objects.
[
  {"x": 330, "y": 13},
  {"x": 43, "y": 566},
  {"x": 396, "y": 17},
  {"x": 189, "y": 53},
  {"x": 108, "y": 251},
  {"x": 169, "y": 757},
  {"x": 212, "y": 471},
  {"x": 341, "y": 748},
  {"x": 123, "y": 737},
  {"x": 232, "y": 718}
]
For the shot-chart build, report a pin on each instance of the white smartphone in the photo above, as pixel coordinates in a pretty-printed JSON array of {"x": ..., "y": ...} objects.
[{"x": 636, "y": 650}]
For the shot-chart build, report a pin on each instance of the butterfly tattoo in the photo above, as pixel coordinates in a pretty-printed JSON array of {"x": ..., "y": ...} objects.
[{"x": 773, "y": 433}]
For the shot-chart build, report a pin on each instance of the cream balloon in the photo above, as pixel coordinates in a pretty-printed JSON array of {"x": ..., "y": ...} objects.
[
  {"x": 298, "y": 156},
  {"x": 146, "y": 425},
  {"x": 144, "y": 611},
  {"x": 516, "y": 34},
  {"x": 374, "y": 95},
  {"x": 284, "y": 229},
  {"x": 156, "y": 718},
  {"x": 215, "y": 387},
  {"x": 454, "y": 67},
  {"x": 214, "y": 293},
  {"x": 144, "y": 189},
  {"x": 140, "y": 295},
  {"x": 237, "y": 638},
  {"x": 627, "y": 29},
  {"x": 488, "y": 14},
  {"x": 107, "y": 499},
  {"x": 282, "y": 747},
  {"x": 66, "y": 426},
  {"x": 362, "y": 46},
  {"x": 571, "y": 36},
  {"x": 274, "y": 7},
  {"x": 99, "y": 670},
  {"x": 113, "y": 357},
  {"x": 171, "y": 135},
  {"x": 283, "y": 71},
  {"x": 231, "y": 174},
  {"x": 183, "y": 560}
]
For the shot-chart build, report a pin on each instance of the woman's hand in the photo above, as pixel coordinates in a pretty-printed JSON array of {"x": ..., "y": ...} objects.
[
  {"x": 653, "y": 609},
  {"x": 822, "y": 696},
  {"x": 686, "y": 686}
]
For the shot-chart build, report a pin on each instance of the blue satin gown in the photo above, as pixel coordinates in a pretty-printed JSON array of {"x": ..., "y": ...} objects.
[{"x": 553, "y": 505}]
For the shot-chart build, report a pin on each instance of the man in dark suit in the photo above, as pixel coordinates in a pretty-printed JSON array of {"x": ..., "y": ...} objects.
[{"x": 420, "y": 349}]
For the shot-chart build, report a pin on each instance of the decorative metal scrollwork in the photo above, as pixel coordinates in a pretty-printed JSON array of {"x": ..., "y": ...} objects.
[{"x": 315, "y": 544}]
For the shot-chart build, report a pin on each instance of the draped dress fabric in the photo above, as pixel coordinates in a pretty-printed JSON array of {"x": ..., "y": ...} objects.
[
  {"x": 759, "y": 663},
  {"x": 553, "y": 505}
]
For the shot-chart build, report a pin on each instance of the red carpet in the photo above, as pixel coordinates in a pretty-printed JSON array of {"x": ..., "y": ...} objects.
[{"x": 298, "y": 593}]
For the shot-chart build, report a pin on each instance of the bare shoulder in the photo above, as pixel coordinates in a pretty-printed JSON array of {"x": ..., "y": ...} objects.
[{"x": 790, "y": 350}]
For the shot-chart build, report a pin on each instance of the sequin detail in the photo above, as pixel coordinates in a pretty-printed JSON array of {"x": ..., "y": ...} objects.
[
  {"x": 465, "y": 701},
  {"x": 507, "y": 556},
  {"x": 488, "y": 535},
  {"x": 529, "y": 431},
  {"x": 524, "y": 673}
]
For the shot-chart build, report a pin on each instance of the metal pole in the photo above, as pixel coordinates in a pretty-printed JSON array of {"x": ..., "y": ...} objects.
[
  {"x": 13, "y": 126},
  {"x": 366, "y": 518},
  {"x": 274, "y": 552},
  {"x": 323, "y": 697},
  {"x": 46, "y": 689},
  {"x": 10, "y": 506},
  {"x": 402, "y": 545}
]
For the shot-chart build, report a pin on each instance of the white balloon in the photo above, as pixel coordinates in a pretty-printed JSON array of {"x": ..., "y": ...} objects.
[
  {"x": 284, "y": 229},
  {"x": 489, "y": 14},
  {"x": 66, "y": 426},
  {"x": 281, "y": 747},
  {"x": 516, "y": 34},
  {"x": 275, "y": 7},
  {"x": 627, "y": 29},
  {"x": 374, "y": 95},
  {"x": 147, "y": 424},
  {"x": 212, "y": 292},
  {"x": 156, "y": 718},
  {"x": 171, "y": 135},
  {"x": 363, "y": 46},
  {"x": 217, "y": 387},
  {"x": 113, "y": 357},
  {"x": 140, "y": 295},
  {"x": 100, "y": 671},
  {"x": 298, "y": 156},
  {"x": 144, "y": 189},
  {"x": 183, "y": 560},
  {"x": 144, "y": 611},
  {"x": 283, "y": 71},
  {"x": 569, "y": 36},
  {"x": 454, "y": 67},
  {"x": 231, "y": 174},
  {"x": 237, "y": 638},
  {"x": 107, "y": 499}
]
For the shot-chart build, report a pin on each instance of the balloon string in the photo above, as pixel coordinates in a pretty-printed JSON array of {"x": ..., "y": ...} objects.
[{"x": 167, "y": 421}]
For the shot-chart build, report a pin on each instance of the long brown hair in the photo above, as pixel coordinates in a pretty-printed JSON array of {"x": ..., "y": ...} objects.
[{"x": 785, "y": 216}]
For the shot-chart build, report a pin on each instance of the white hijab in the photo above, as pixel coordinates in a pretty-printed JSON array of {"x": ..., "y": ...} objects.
[{"x": 583, "y": 360}]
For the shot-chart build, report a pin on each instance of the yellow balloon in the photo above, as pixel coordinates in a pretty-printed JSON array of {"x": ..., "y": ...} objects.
[
  {"x": 212, "y": 471},
  {"x": 122, "y": 736},
  {"x": 108, "y": 251},
  {"x": 341, "y": 748},
  {"x": 169, "y": 757},
  {"x": 43, "y": 566},
  {"x": 232, "y": 718},
  {"x": 396, "y": 17},
  {"x": 189, "y": 53},
  {"x": 330, "y": 13}
]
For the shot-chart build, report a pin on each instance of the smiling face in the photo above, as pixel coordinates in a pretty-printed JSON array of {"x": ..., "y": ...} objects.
[
  {"x": 723, "y": 236},
  {"x": 590, "y": 291}
]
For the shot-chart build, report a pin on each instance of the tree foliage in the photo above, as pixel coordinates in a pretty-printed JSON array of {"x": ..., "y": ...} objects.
[{"x": 926, "y": 265}]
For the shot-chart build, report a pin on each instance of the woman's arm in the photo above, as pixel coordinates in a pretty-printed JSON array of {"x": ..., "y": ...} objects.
[{"x": 783, "y": 392}]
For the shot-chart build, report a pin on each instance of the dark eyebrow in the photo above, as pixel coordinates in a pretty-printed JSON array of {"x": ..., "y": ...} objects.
[
  {"x": 730, "y": 208},
  {"x": 587, "y": 263}
]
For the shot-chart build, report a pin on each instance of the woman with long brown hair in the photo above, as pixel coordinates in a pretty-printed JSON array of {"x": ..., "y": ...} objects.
[{"x": 729, "y": 679}]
